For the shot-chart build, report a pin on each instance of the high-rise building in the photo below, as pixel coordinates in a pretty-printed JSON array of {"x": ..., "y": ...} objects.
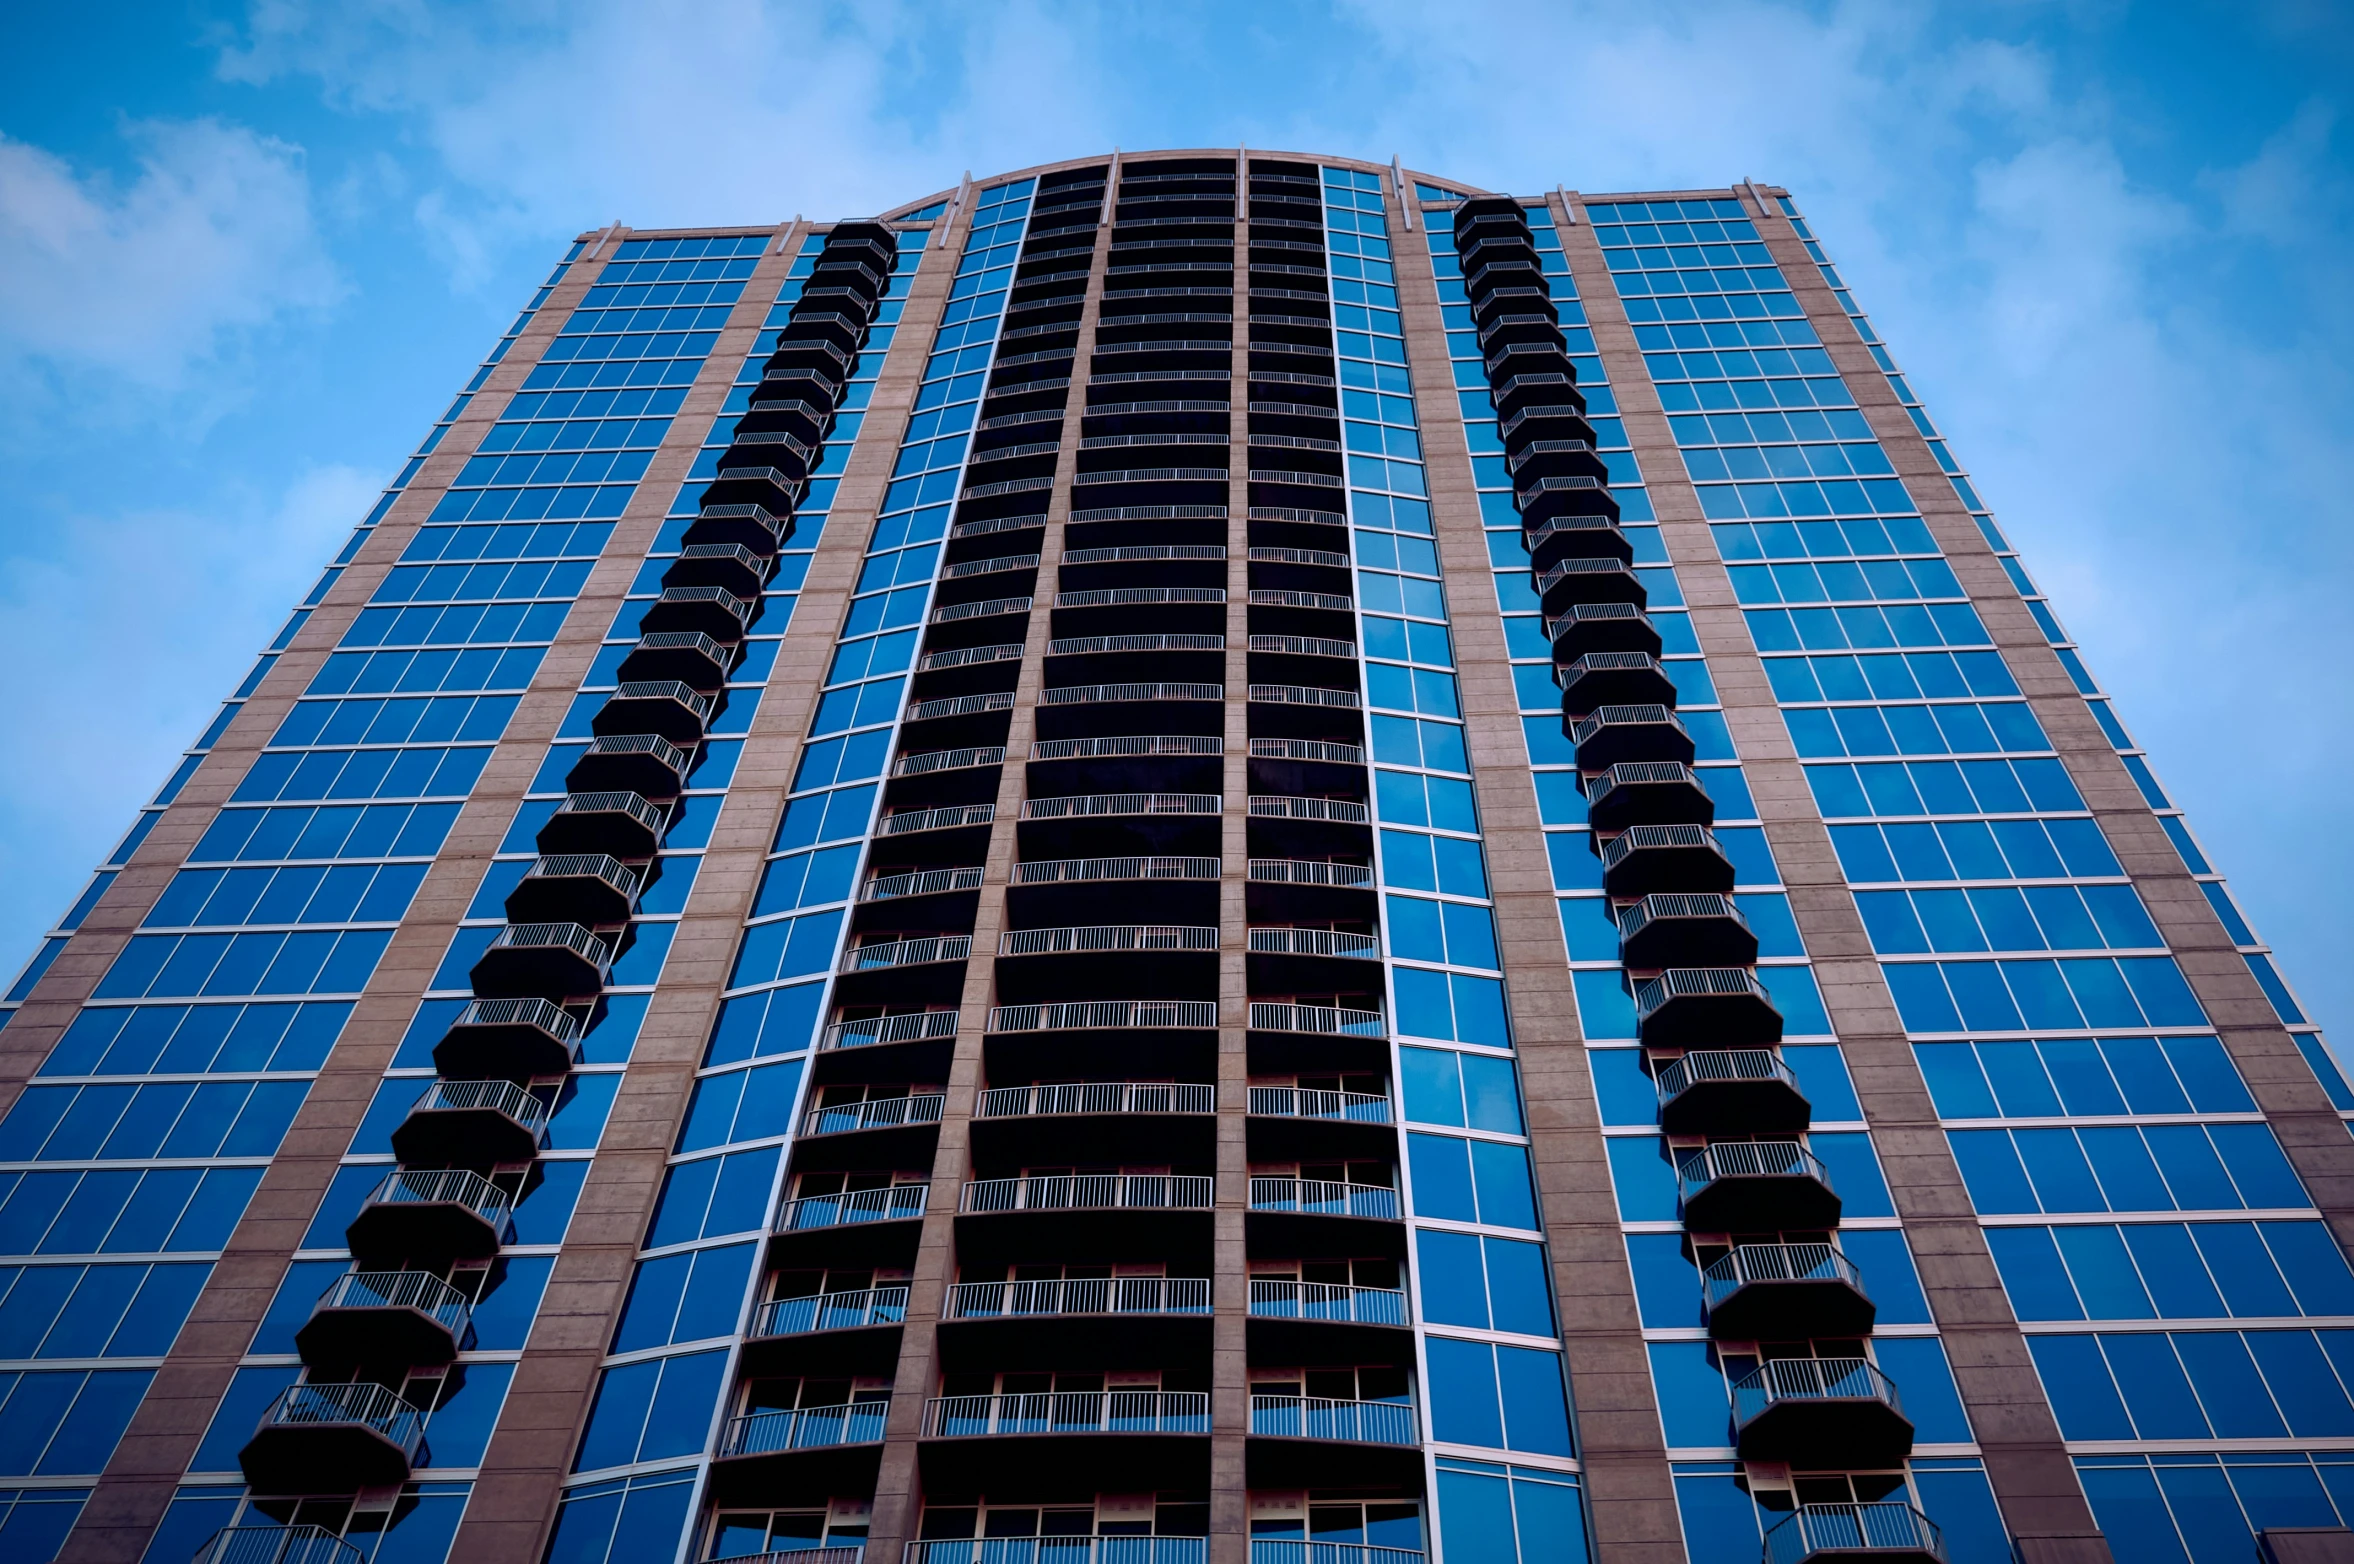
[{"x": 1194, "y": 858}]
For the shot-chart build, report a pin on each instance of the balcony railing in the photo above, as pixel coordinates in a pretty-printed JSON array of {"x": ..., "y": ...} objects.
[
  {"x": 555, "y": 936},
  {"x": 810, "y": 1428},
  {"x": 1086, "y": 804},
  {"x": 1323, "y": 1020},
  {"x": 1146, "y": 553},
  {"x": 1093, "y": 1014},
  {"x": 1314, "y": 942},
  {"x": 1303, "y": 695},
  {"x": 902, "y": 821},
  {"x": 1126, "y": 745},
  {"x": 1060, "y": 1550},
  {"x": 1314, "y": 1417},
  {"x": 1292, "y": 1102},
  {"x": 1268, "y": 806},
  {"x": 830, "y": 1311},
  {"x": 1727, "y": 1066},
  {"x": 1330, "y": 1301},
  {"x": 1748, "y": 1159},
  {"x": 925, "y": 762},
  {"x": 447, "y": 1187},
  {"x": 1107, "y": 937},
  {"x": 1133, "y": 597},
  {"x": 1676, "y": 983},
  {"x": 276, "y": 1545},
  {"x": 1303, "y": 645},
  {"x": 503, "y": 1098},
  {"x": 961, "y": 706},
  {"x": 1333, "y": 602},
  {"x": 967, "y": 656},
  {"x": 367, "y": 1404},
  {"x": 421, "y": 1291},
  {"x": 949, "y": 613},
  {"x": 1852, "y": 1530},
  {"x": 1070, "y": 1412},
  {"x": 1088, "y": 1192},
  {"x": 1098, "y": 694},
  {"x": 893, "y": 1203},
  {"x": 1775, "y": 1263},
  {"x": 1324, "y": 1197},
  {"x": 923, "y": 882},
  {"x": 1008, "y": 1102},
  {"x": 1810, "y": 1379},
  {"x": 1050, "y": 871},
  {"x": 1080, "y": 645},
  {"x": 837, "y": 1553},
  {"x": 1287, "y": 1550},
  {"x": 1638, "y": 837},
  {"x": 1309, "y": 871},
  {"x": 915, "y": 1026},
  {"x": 906, "y": 953},
  {"x": 1089, "y": 1295},
  {"x": 1308, "y": 749},
  {"x": 878, "y": 1113}
]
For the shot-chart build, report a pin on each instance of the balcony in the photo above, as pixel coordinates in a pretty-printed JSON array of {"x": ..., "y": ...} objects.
[
  {"x": 1618, "y": 734},
  {"x": 333, "y": 1438},
  {"x": 1754, "y": 1186},
  {"x": 1645, "y": 860},
  {"x": 1127, "y": 746},
  {"x": 514, "y": 1039},
  {"x": 906, "y": 953},
  {"x": 1161, "y": 1123},
  {"x": 1315, "y": 1417},
  {"x": 1687, "y": 1005},
  {"x": 646, "y": 764},
  {"x": 1309, "y": 750},
  {"x": 1288, "y": 1102},
  {"x": 920, "y": 882},
  {"x": 1314, "y": 942},
  {"x": 950, "y": 817},
  {"x": 1091, "y": 805},
  {"x": 1086, "y": 1192},
  {"x": 1547, "y": 421},
  {"x": 1575, "y": 537},
  {"x": 1327, "y": 1302},
  {"x": 1670, "y": 930},
  {"x": 730, "y": 565},
  {"x": 1106, "y": 939},
  {"x": 541, "y": 960},
  {"x": 622, "y": 825},
  {"x": 747, "y": 524},
  {"x": 881, "y": 1113},
  {"x": 435, "y": 1215},
  {"x": 1874, "y": 1533},
  {"x": 830, "y": 1311},
  {"x": 926, "y": 762},
  {"x": 395, "y": 1318},
  {"x": 1135, "y": 1295},
  {"x": 1104, "y": 1014},
  {"x": 809, "y": 1428},
  {"x": 1607, "y": 679},
  {"x": 1287, "y": 1550},
  {"x": 663, "y": 706},
  {"x": 1587, "y": 581},
  {"x": 1323, "y": 1197},
  {"x": 1785, "y": 1292},
  {"x": 1069, "y": 1412},
  {"x": 1060, "y": 1550},
  {"x": 856, "y": 1208},
  {"x": 914, "y": 1027},
  {"x": 1829, "y": 1412},
  {"x": 582, "y": 888},
  {"x": 1647, "y": 793},
  {"x": 1725, "y": 1091},
  {"x": 277, "y": 1545},
  {"x": 687, "y": 656},
  {"x": 1586, "y": 628},
  {"x": 1065, "y": 871},
  {"x": 1320, "y": 1020},
  {"x": 1311, "y": 871},
  {"x": 472, "y": 1124},
  {"x": 710, "y": 610}
]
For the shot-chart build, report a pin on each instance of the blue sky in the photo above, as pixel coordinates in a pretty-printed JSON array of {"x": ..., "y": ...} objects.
[{"x": 247, "y": 254}]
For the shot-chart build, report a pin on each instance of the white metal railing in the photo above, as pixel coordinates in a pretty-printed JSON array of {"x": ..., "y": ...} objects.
[
  {"x": 555, "y": 936},
  {"x": 1324, "y": 1020},
  {"x": 948, "y": 817},
  {"x": 1333, "y": 1301},
  {"x": 949, "y": 613},
  {"x": 1088, "y": 1192},
  {"x": 1654, "y": 994},
  {"x": 665, "y": 690},
  {"x": 875, "y": 1113},
  {"x": 1781, "y": 1380},
  {"x": 1096, "y": 694},
  {"x": 1775, "y": 1263},
  {"x": 1722, "y": 1066},
  {"x": 891, "y": 1203},
  {"x": 995, "y": 563},
  {"x": 1314, "y": 942},
  {"x": 1303, "y": 695},
  {"x": 1266, "y": 597},
  {"x": 616, "y": 802},
  {"x": 1005, "y": 1102},
  {"x": 830, "y": 1311},
  {"x": 810, "y": 1428},
  {"x": 653, "y": 745},
  {"x": 1092, "y": 1014},
  {"x": 1070, "y": 1412},
  {"x": 1323, "y": 1197},
  {"x": 276, "y": 1545},
  {"x": 420, "y": 1291},
  {"x": 1128, "y": 744},
  {"x": 1125, "y": 597},
  {"x": 1314, "y": 1417},
  {"x": 1747, "y": 1159},
  {"x": 447, "y": 1187},
  {"x": 1309, "y": 871},
  {"x": 1287, "y": 807},
  {"x": 1299, "y": 556},
  {"x": 1106, "y": 937},
  {"x": 1299, "y": 1102},
  {"x": 1308, "y": 749},
  {"x": 1291, "y": 1550},
  {"x": 923, "y": 762},
  {"x": 1637, "y": 838},
  {"x": 1048, "y": 871},
  {"x": 922, "y": 882},
  {"x": 1812, "y": 1530},
  {"x": 961, "y": 706},
  {"x": 1145, "y": 552},
  {"x": 967, "y": 656},
  {"x": 314, "y": 1405},
  {"x": 906, "y": 953},
  {"x": 503, "y": 1098},
  {"x": 1304, "y": 645},
  {"x": 914, "y": 1026},
  {"x": 1086, "y": 804},
  {"x": 1086, "y": 1295},
  {"x": 1081, "y": 645}
]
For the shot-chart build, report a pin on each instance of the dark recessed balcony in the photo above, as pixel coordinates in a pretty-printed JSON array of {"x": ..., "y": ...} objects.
[
  {"x": 1870, "y": 1533},
  {"x": 1647, "y": 793},
  {"x": 754, "y": 481},
  {"x": 1535, "y": 459},
  {"x": 1572, "y": 494},
  {"x": 1317, "y": 1020},
  {"x": 1502, "y": 330},
  {"x": 513, "y": 1039},
  {"x": 1315, "y": 1417},
  {"x": 860, "y": 264},
  {"x": 1097, "y": 1097},
  {"x": 472, "y": 1124},
  {"x": 282, "y": 1545},
  {"x": 1098, "y": 1015},
  {"x": 1646, "y": 859},
  {"x": 686, "y": 657},
  {"x": 1514, "y": 359},
  {"x": 1494, "y": 246},
  {"x": 1562, "y": 420},
  {"x": 663, "y": 706},
  {"x": 1754, "y": 1186},
  {"x": 1829, "y": 1412},
  {"x": 1723, "y": 1091},
  {"x": 1601, "y": 627},
  {"x": 1298, "y": 1124},
  {"x": 715, "y": 611},
  {"x": 728, "y": 565},
  {"x": 779, "y": 448},
  {"x": 1569, "y": 582},
  {"x": 1785, "y": 1292},
  {"x": 394, "y": 1318},
  {"x": 812, "y": 353},
  {"x": 1533, "y": 388},
  {"x": 1483, "y": 216},
  {"x": 920, "y": 882},
  {"x": 333, "y": 1439},
  {"x": 1557, "y": 538},
  {"x": 1157, "y": 1122},
  {"x": 646, "y": 764},
  {"x": 1613, "y": 735},
  {"x": 1688, "y": 1005},
  {"x": 747, "y": 524},
  {"x": 436, "y": 1214},
  {"x": 584, "y": 888},
  {"x": 1514, "y": 299},
  {"x": 821, "y": 324},
  {"x": 800, "y": 383},
  {"x": 1601, "y": 679},
  {"x": 541, "y": 960},
  {"x": 796, "y": 415},
  {"x": 1685, "y": 931}
]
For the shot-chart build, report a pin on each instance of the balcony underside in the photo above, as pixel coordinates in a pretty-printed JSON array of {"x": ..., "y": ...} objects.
[
  {"x": 1270, "y": 1462},
  {"x": 1122, "y": 1234},
  {"x": 1279, "y": 1341},
  {"x": 1317, "y": 1053},
  {"x": 1292, "y": 1234},
  {"x": 854, "y": 1246},
  {"x": 924, "y": 1059},
  {"x": 1773, "y": 1203},
  {"x": 892, "y": 1146},
  {"x": 1109, "y": 974},
  {"x": 829, "y": 1354},
  {"x": 422, "y": 1231},
  {"x": 1272, "y": 1139},
  {"x": 963, "y": 1469},
  {"x": 1774, "y": 1310},
  {"x": 1072, "y": 1343},
  {"x": 795, "y": 1476},
  {"x": 324, "y": 1458},
  {"x": 1085, "y": 1139},
  {"x": 1141, "y": 1053},
  {"x": 387, "y": 1336},
  {"x": 1828, "y": 1433}
]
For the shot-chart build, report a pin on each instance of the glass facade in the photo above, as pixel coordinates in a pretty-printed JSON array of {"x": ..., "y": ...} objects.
[{"x": 877, "y": 909}]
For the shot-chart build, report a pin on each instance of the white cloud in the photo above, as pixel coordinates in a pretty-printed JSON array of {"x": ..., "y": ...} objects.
[{"x": 138, "y": 280}]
